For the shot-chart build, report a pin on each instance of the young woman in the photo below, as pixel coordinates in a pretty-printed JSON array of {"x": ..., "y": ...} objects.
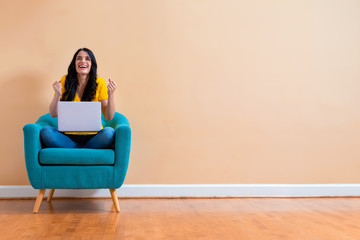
[{"x": 82, "y": 84}]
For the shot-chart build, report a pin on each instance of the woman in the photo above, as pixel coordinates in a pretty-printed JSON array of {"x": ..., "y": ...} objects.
[{"x": 82, "y": 84}]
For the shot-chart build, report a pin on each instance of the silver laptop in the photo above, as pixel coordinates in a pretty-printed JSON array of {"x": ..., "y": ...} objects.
[{"x": 79, "y": 116}]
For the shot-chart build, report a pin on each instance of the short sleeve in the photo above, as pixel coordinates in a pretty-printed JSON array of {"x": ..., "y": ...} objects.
[{"x": 102, "y": 89}]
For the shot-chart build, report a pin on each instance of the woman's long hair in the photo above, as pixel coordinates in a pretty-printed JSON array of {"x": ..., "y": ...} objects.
[{"x": 71, "y": 82}]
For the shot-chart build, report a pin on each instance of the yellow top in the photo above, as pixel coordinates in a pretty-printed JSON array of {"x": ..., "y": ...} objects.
[{"x": 101, "y": 94}]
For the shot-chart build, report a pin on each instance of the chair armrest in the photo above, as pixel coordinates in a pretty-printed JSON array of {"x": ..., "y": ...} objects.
[
  {"x": 32, "y": 146},
  {"x": 122, "y": 152}
]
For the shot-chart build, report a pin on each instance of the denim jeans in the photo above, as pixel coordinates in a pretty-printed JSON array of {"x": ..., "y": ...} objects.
[{"x": 52, "y": 138}]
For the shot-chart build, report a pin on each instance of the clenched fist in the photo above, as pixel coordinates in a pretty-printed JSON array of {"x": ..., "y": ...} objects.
[
  {"x": 111, "y": 88},
  {"x": 57, "y": 87}
]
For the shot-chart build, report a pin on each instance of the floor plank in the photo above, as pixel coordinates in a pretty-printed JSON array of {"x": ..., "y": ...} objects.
[{"x": 241, "y": 218}]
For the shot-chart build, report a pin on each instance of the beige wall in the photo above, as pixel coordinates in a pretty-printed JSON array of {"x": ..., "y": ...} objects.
[{"x": 216, "y": 91}]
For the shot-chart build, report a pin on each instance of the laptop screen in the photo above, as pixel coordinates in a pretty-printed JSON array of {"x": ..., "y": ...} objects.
[{"x": 79, "y": 116}]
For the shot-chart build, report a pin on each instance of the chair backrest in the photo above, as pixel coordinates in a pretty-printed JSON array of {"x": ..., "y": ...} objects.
[
  {"x": 47, "y": 120},
  {"x": 117, "y": 119}
]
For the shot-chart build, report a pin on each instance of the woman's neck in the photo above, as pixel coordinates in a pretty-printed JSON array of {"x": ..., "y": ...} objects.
[{"x": 82, "y": 79}]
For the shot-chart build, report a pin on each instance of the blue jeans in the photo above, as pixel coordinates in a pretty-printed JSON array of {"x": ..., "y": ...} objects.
[{"x": 52, "y": 138}]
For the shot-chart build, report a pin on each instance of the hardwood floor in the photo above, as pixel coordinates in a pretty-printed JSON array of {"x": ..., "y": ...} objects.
[{"x": 241, "y": 218}]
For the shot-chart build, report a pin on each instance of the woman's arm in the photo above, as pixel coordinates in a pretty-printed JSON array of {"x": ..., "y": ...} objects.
[
  {"x": 53, "y": 108},
  {"x": 108, "y": 105}
]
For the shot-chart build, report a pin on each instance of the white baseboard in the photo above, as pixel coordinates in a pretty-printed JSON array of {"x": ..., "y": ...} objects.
[{"x": 198, "y": 190}]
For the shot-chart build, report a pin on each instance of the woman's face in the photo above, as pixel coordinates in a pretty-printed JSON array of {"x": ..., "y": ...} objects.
[{"x": 83, "y": 63}]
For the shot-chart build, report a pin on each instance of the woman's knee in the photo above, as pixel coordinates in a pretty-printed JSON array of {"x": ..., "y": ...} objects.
[
  {"x": 107, "y": 133},
  {"x": 47, "y": 135},
  {"x": 104, "y": 139},
  {"x": 47, "y": 131}
]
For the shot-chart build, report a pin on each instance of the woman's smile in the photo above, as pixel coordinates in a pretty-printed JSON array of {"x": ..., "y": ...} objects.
[{"x": 83, "y": 63}]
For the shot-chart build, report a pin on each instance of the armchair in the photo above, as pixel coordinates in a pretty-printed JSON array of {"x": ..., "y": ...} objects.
[{"x": 76, "y": 168}]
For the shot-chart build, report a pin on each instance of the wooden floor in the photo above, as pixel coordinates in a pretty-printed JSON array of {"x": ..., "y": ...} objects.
[{"x": 241, "y": 219}]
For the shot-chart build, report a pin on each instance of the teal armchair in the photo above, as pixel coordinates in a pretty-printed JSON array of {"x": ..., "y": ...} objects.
[{"x": 76, "y": 168}]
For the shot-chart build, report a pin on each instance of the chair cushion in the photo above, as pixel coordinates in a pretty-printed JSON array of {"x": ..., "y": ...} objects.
[{"x": 76, "y": 156}]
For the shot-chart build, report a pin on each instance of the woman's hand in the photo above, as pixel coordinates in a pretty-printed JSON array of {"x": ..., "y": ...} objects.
[
  {"x": 111, "y": 88},
  {"x": 108, "y": 105},
  {"x": 57, "y": 88}
]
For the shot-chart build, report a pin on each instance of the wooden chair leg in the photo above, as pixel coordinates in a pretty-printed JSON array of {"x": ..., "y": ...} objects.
[
  {"x": 51, "y": 193},
  {"x": 115, "y": 199},
  {"x": 39, "y": 200}
]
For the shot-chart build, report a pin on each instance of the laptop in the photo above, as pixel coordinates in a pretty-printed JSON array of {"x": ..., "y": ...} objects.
[{"x": 79, "y": 116}]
